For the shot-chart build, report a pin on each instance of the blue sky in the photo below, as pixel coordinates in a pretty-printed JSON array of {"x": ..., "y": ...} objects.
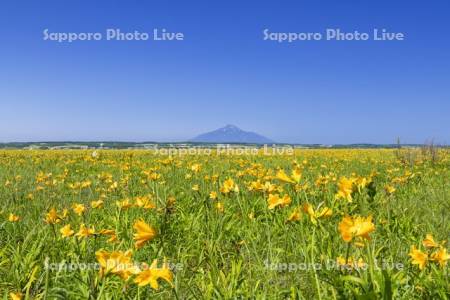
[{"x": 224, "y": 72}]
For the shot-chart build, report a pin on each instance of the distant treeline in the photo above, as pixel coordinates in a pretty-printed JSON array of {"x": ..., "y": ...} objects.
[{"x": 127, "y": 145}]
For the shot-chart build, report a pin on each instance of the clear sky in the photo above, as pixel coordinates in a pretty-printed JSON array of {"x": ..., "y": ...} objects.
[{"x": 224, "y": 72}]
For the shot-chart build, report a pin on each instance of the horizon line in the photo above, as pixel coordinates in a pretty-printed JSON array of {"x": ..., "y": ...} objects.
[{"x": 213, "y": 143}]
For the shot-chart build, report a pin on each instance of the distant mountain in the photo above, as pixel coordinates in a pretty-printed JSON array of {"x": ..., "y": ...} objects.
[{"x": 231, "y": 134}]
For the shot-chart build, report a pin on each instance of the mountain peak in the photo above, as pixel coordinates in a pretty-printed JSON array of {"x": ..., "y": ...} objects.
[
  {"x": 231, "y": 134},
  {"x": 230, "y": 126}
]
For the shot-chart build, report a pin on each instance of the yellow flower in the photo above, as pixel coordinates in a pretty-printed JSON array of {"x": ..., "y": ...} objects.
[
  {"x": 324, "y": 213},
  {"x": 152, "y": 274},
  {"x": 196, "y": 187},
  {"x": 66, "y": 231},
  {"x": 296, "y": 174},
  {"x": 314, "y": 215},
  {"x": 429, "y": 242},
  {"x": 144, "y": 202},
  {"x": 219, "y": 206},
  {"x": 281, "y": 175},
  {"x": 65, "y": 213},
  {"x": 116, "y": 262},
  {"x": 440, "y": 257},
  {"x": 229, "y": 186},
  {"x": 16, "y": 296},
  {"x": 345, "y": 187},
  {"x": 275, "y": 200},
  {"x": 124, "y": 204},
  {"x": 13, "y": 218},
  {"x": 109, "y": 232},
  {"x": 229, "y": 183},
  {"x": 269, "y": 187},
  {"x": 256, "y": 186},
  {"x": 97, "y": 204},
  {"x": 79, "y": 209},
  {"x": 86, "y": 184},
  {"x": 351, "y": 227},
  {"x": 144, "y": 233},
  {"x": 389, "y": 189},
  {"x": 196, "y": 168},
  {"x": 294, "y": 216},
  {"x": 418, "y": 257},
  {"x": 113, "y": 186},
  {"x": 84, "y": 232},
  {"x": 112, "y": 238},
  {"x": 213, "y": 195},
  {"x": 362, "y": 182},
  {"x": 341, "y": 261},
  {"x": 52, "y": 217}
]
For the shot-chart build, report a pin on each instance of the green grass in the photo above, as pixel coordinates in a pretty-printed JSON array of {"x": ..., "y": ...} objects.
[{"x": 222, "y": 255}]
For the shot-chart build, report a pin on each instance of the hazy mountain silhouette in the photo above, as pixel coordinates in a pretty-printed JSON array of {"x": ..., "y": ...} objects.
[{"x": 231, "y": 134}]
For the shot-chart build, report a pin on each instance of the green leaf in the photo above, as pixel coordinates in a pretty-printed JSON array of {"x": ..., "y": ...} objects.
[{"x": 387, "y": 286}]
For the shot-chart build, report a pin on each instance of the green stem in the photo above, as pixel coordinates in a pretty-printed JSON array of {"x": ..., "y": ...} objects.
[
  {"x": 316, "y": 278},
  {"x": 347, "y": 254}
]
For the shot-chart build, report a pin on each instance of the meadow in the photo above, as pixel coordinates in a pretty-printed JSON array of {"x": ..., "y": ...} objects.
[{"x": 318, "y": 224}]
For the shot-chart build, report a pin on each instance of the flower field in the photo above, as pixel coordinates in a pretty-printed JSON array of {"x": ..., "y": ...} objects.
[{"x": 131, "y": 224}]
